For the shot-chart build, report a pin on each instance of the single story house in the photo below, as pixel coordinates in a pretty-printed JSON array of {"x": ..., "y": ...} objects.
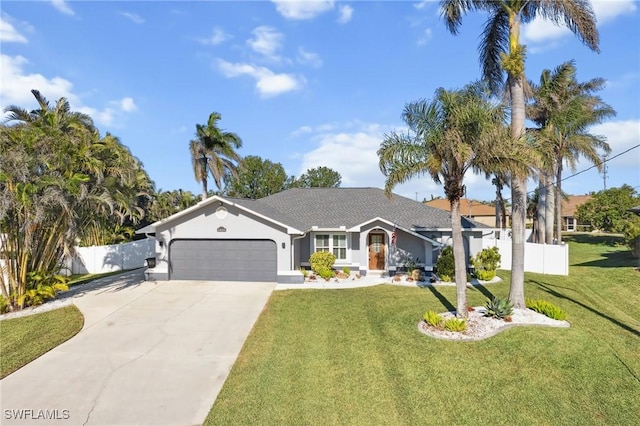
[
  {"x": 472, "y": 209},
  {"x": 271, "y": 239},
  {"x": 569, "y": 208}
]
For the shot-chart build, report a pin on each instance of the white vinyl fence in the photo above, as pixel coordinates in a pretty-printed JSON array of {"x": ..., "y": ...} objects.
[
  {"x": 540, "y": 258},
  {"x": 115, "y": 257}
]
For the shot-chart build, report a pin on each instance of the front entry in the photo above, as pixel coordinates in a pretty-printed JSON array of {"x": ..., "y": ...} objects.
[{"x": 376, "y": 251}]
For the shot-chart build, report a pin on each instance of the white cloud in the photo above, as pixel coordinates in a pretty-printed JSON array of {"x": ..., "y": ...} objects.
[
  {"x": 8, "y": 33},
  {"x": 17, "y": 85},
  {"x": 422, "y": 4},
  {"x": 346, "y": 13},
  {"x": 218, "y": 36},
  {"x": 621, "y": 136},
  {"x": 302, "y": 9},
  {"x": 350, "y": 148},
  {"x": 133, "y": 17},
  {"x": 426, "y": 37},
  {"x": 607, "y": 10},
  {"x": 309, "y": 58},
  {"x": 267, "y": 41},
  {"x": 63, "y": 7},
  {"x": 268, "y": 83},
  {"x": 539, "y": 30},
  {"x": 128, "y": 105}
]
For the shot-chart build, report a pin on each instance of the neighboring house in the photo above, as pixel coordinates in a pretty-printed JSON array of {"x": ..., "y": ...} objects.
[
  {"x": 475, "y": 210},
  {"x": 569, "y": 207},
  {"x": 271, "y": 238}
]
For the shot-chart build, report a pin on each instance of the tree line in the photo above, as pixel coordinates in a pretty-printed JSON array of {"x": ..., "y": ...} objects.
[{"x": 63, "y": 184}]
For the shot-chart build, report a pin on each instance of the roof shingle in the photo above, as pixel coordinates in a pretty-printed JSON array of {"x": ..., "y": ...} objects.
[{"x": 348, "y": 207}]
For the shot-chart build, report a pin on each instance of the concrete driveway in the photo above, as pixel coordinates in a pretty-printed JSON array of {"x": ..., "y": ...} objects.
[{"x": 148, "y": 354}]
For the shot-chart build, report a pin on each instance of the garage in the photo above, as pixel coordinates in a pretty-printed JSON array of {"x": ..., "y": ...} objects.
[{"x": 223, "y": 260}]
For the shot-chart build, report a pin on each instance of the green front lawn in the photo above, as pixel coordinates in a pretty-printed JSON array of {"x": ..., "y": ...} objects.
[
  {"x": 356, "y": 356},
  {"x": 26, "y": 338}
]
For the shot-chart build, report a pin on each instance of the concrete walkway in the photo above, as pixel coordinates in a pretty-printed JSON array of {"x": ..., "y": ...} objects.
[{"x": 148, "y": 354}]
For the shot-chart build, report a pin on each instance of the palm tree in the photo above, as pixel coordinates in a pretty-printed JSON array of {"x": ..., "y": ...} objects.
[
  {"x": 564, "y": 109},
  {"x": 58, "y": 177},
  {"x": 500, "y": 181},
  {"x": 500, "y": 53},
  {"x": 457, "y": 132},
  {"x": 213, "y": 150}
]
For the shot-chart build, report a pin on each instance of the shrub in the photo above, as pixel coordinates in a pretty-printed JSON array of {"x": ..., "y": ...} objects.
[
  {"x": 485, "y": 275},
  {"x": 445, "y": 278},
  {"x": 41, "y": 287},
  {"x": 631, "y": 234},
  {"x": 346, "y": 270},
  {"x": 546, "y": 308},
  {"x": 305, "y": 273},
  {"x": 445, "y": 264},
  {"x": 498, "y": 308},
  {"x": 455, "y": 324},
  {"x": 433, "y": 318},
  {"x": 486, "y": 262},
  {"x": 321, "y": 260},
  {"x": 4, "y": 305},
  {"x": 326, "y": 273}
]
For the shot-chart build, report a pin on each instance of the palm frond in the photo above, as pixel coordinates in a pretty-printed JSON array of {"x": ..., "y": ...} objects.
[
  {"x": 494, "y": 42},
  {"x": 577, "y": 15}
]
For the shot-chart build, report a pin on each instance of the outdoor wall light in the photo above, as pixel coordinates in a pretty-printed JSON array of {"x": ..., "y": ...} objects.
[
  {"x": 283, "y": 245},
  {"x": 161, "y": 243}
]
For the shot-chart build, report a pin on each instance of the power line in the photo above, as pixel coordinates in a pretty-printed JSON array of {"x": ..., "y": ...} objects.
[
  {"x": 600, "y": 163},
  {"x": 604, "y": 161}
]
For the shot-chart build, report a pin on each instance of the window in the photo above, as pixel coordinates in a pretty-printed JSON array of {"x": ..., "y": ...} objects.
[
  {"x": 334, "y": 243},
  {"x": 322, "y": 243},
  {"x": 340, "y": 246}
]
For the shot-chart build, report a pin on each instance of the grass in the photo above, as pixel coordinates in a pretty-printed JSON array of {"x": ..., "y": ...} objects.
[
  {"x": 26, "y": 338},
  {"x": 356, "y": 357}
]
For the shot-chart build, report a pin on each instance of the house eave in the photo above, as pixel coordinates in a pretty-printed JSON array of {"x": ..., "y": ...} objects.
[{"x": 152, "y": 228}]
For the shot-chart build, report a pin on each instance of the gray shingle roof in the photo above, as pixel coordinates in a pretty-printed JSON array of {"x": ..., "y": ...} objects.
[{"x": 303, "y": 208}]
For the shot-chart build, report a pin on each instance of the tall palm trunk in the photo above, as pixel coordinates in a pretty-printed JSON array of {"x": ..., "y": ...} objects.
[
  {"x": 503, "y": 211},
  {"x": 541, "y": 208},
  {"x": 459, "y": 260},
  {"x": 559, "y": 203},
  {"x": 549, "y": 211},
  {"x": 518, "y": 197},
  {"x": 204, "y": 188}
]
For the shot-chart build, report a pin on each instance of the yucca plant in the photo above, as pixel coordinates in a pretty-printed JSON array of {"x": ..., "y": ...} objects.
[
  {"x": 455, "y": 324},
  {"x": 546, "y": 308},
  {"x": 498, "y": 308},
  {"x": 433, "y": 319}
]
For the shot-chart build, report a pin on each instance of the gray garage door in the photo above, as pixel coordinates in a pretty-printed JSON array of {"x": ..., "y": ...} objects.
[{"x": 223, "y": 260}]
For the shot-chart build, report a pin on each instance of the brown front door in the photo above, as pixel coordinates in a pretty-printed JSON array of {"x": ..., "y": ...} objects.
[{"x": 376, "y": 252}]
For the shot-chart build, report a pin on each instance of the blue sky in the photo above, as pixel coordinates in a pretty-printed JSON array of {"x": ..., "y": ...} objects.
[{"x": 306, "y": 84}]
